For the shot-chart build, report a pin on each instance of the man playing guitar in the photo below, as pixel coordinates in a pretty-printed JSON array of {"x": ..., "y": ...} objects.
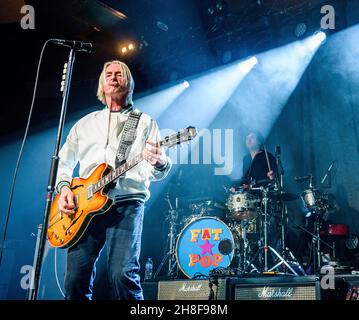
[{"x": 94, "y": 139}]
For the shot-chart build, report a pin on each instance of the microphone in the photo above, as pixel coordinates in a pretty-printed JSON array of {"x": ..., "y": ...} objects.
[
  {"x": 302, "y": 178},
  {"x": 76, "y": 45},
  {"x": 328, "y": 172}
]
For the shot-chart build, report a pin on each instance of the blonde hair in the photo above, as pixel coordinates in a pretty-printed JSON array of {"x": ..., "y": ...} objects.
[{"x": 129, "y": 82}]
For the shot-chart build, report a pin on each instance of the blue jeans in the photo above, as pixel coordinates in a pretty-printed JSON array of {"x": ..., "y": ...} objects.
[{"x": 121, "y": 229}]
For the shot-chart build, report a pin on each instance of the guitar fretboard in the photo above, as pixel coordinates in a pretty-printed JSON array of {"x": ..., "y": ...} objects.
[
  {"x": 113, "y": 175},
  {"x": 168, "y": 142}
]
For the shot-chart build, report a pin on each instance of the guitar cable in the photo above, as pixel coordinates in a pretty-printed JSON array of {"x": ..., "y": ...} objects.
[
  {"x": 20, "y": 153},
  {"x": 56, "y": 275}
]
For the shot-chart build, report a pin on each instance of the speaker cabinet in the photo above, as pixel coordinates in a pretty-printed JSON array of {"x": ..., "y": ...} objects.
[
  {"x": 150, "y": 290},
  {"x": 276, "y": 288},
  {"x": 346, "y": 288},
  {"x": 192, "y": 290}
]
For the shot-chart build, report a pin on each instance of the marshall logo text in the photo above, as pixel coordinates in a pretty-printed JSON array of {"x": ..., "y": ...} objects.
[
  {"x": 268, "y": 292},
  {"x": 190, "y": 287}
]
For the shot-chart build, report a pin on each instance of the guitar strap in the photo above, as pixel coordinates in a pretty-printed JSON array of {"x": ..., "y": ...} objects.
[{"x": 128, "y": 137}]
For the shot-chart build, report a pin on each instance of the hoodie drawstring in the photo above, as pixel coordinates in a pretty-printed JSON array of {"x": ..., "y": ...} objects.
[{"x": 108, "y": 128}]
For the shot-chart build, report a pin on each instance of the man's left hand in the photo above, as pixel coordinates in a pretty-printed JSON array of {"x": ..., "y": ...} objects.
[{"x": 153, "y": 154}]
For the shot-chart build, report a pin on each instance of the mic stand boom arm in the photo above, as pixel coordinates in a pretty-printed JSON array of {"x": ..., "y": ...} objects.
[{"x": 40, "y": 246}]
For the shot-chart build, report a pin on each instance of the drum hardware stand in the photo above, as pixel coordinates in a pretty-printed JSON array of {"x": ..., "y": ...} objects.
[
  {"x": 285, "y": 252},
  {"x": 316, "y": 241},
  {"x": 244, "y": 263},
  {"x": 266, "y": 247},
  {"x": 170, "y": 255}
]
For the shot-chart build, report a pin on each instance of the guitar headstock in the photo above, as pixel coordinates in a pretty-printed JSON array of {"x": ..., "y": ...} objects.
[{"x": 183, "y": 135}]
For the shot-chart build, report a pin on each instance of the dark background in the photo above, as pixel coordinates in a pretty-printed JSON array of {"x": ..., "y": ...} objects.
[{"x": 318, "y": 124}]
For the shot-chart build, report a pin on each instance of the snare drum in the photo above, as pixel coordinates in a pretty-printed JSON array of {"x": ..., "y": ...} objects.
[
  {"x": 201, "y": 244},
  {"x": 242, "y": 206}
]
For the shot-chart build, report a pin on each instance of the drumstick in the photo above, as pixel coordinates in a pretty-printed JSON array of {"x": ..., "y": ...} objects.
[{"x": 265, "y": 151}]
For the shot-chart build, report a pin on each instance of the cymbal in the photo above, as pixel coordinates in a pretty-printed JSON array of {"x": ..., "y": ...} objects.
[
  {"x": 208, "y": 205},
  {"x": 262, "y": 183},
  {"x": 283, "y": 196},
  {"x": 244, "y": 215}
]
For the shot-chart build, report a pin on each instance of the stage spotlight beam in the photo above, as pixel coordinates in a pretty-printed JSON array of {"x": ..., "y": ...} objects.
[
  {"x": 275, "y": 79},
  {"x": 157, "y": 103},
  {"x": 207, "y": 95}
]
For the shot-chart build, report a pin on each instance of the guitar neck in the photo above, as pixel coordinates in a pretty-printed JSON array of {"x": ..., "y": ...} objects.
[
  {"x": 114, "y": 174},
  {"x": 181, "y": 136}
]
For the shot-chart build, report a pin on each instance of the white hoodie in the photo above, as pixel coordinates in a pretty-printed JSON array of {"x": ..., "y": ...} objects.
[{"x": 95, "y": 138}]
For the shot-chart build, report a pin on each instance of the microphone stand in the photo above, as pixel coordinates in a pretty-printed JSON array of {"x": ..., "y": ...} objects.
[
  {"x": 170, "y": 255},
  {"x": 281, "y": 185},
  {"x": 279, "y": 168},
  {"x": 42, "y": 228}
]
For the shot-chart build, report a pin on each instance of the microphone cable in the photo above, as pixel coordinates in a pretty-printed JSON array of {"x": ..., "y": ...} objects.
[{"x": 20, "y": 153}]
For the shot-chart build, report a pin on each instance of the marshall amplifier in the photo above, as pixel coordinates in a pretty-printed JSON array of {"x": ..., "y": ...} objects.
[
  {"x": 150, "y": 290},
  {"x": 276, "y": 288},
  {"x": 346, "y": 288},
  {"x": 192, "y": 290}
]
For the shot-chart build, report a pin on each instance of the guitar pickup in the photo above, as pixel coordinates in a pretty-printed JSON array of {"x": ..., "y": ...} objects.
[{"x": 89, "y": 192}]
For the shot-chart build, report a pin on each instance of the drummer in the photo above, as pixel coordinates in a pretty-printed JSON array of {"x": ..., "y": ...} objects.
[
  {"x": 258, "y": 164},
  {"x": 259, "y": 169}
]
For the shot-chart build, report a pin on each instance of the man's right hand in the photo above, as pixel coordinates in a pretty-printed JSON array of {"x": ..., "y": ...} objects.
[{"x": 66, "y": 201}]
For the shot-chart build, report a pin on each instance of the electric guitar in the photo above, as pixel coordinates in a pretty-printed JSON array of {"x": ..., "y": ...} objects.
[{"x": 90, "y": 196}]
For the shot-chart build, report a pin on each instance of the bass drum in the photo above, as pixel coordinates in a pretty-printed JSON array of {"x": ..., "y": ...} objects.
[{"x": 203, "y": 245}]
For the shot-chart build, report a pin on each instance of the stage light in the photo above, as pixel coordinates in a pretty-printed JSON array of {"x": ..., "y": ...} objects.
[
  {"x": 128, "y": 48},
  {"x": 185, "y": 84},
  {"x": 252, "y": 61},
  {"x": 248, "y": 65},
  {"x": 320, "y": 36},
  {"x": 219, "y": 6},
  {"x": 317, "y": 40},
  {"x": 300, "y": 30}
]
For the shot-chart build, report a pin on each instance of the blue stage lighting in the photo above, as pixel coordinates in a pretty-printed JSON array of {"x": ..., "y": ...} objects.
[
  {"x": 249, "y": 64},
  {"x": 156, "y": 103},
  {"x": 185, "y": 84},
  {"x": 317, "y": 39}
]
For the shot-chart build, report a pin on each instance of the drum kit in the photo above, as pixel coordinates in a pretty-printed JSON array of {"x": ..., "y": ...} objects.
[{"x": 241, "y": 242}]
